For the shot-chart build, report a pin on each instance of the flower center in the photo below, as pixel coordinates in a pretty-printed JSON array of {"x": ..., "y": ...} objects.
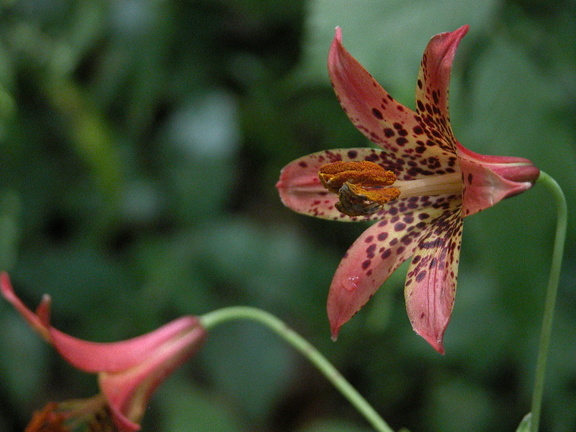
[{"x": 363, "y": 187}]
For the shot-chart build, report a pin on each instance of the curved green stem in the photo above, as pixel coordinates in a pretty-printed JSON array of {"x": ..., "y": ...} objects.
[
  {"x": 552, "y": 290},
  {"x": 219, "y": 316}
]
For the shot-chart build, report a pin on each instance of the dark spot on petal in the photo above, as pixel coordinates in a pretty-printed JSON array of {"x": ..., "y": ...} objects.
[
  {"x": 420, "y": 276},
  {"x": 382, "y": 236},
  {"x": 399, "y": 226}
]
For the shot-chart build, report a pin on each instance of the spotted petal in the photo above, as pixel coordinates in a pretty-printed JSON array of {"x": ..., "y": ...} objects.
[
  {"x": 378, "y": 252},
  {"x": 490, "y": 179},
  {"x": 431, "y": 280},
  {"x": 372, "y": 110},
  {"x": 433, "y": 85},
  {"x": 300, "y": 188},
  {"x": 384, "y": 121}
]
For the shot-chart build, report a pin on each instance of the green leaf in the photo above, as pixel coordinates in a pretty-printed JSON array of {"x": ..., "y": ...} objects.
[
  {"x": 9, "y": 228},
  {"x": 388, "y": 37},
  {"x": 251, "y": 364},
  {"x": 525, "y": 424},
  {"x": 333, "y": 426},
  {"x": 186, "y": 408}
]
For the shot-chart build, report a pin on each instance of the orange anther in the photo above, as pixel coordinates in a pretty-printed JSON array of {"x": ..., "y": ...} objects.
[{"x": 363, "y": 187}]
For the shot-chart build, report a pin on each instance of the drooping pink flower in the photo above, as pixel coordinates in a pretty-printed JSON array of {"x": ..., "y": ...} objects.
[
  {"x": 419, "y": 184},
  {"x": 128, "y": 371}
]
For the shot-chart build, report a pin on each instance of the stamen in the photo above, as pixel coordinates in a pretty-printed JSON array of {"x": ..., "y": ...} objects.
[{"x": 361, "y": 186}]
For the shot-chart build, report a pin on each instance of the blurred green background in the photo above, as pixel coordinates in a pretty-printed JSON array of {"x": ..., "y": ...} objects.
[{"x": 140, "y": 141}]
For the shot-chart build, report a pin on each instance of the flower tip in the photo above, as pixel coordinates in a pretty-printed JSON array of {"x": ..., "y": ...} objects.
[
  {"x": 335, "y": 332},
  {"x": 439, "y": 347},
  {"x": 335, "y": 48},
  {"x": 284, "y": 187},
  {"x": 6, "y": 286},
  {"x": 434, "y": 341},
  {"x": 338, "y": 33},
  {"x": 463, "y": 30},
  {"x": 279, "y": 184},
  {"x": 43, "y": 310}
]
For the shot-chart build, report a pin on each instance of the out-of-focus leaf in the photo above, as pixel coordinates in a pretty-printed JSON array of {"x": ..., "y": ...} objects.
[
  {"x": 186, "y": 408},
  {"x": 333, "y": 426},
  {"x": 19, "y": 341},
  {"x": 470, "y": 406},
  {"x": 525, "y": 424},
  {"x": 254, "y": 366},
  {"x": 91, "y": 137},
  {"x": 510, "y": 109},
  {"x": 386, "y": 36},
  {"x": 202, "y": 140},
  {"x": 9, "y": 229}
]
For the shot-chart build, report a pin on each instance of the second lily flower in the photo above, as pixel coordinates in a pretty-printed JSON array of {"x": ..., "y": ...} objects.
[
  {"x": 419, "y": 185},
  {"x": 128, "y": 371}
]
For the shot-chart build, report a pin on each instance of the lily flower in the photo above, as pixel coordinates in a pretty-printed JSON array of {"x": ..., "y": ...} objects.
[
  {"x": 419, "y": 184},
  {"x": 128, "y": 371}
]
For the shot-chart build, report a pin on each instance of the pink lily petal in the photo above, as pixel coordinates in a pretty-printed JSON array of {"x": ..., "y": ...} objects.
[
  {"x": 118, "y": 356},
  {"x": 384, "y": 121},
  {"x": 433, "y": 85},
  {"x": 300, "y": 188},
  {"x": 128, "y": 391},
  {"x": 93, "y": 356},
  {"x": 129, "y": 370},
  {"x": 39, "y": 321},
  {"x": 430, "y": 286},
  {"x": 490, "y": 179},
  {"x": 375, "y": 255},
  {"x": 372, "y": 110}
]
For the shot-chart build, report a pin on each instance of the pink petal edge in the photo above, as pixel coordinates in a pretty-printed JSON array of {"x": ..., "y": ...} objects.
[
  {"x": 369, "y": 107},
  {"x": 434, "y": 76},
  {"x": 39, "y": 323},
  {"x": 430, "y": 286},
  {"x": 371, "y": 259},
  {"x": 118, "y": 356}
]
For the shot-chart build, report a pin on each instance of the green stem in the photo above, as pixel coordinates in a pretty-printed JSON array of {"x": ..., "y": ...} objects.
[
  {"x": 219, "y": 316},
  {"x": 552, "y": 290}
]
